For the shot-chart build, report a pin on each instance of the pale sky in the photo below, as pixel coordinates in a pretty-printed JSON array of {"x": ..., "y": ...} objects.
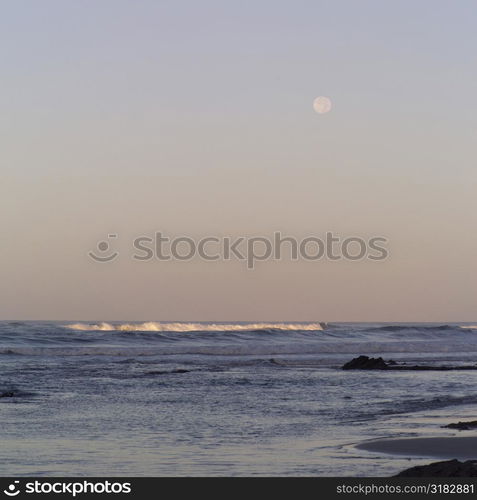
[{"x": 197, "y": 118}]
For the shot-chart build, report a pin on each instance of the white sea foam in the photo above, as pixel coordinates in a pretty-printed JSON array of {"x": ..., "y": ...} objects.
[{"x": 153, "y": 326}]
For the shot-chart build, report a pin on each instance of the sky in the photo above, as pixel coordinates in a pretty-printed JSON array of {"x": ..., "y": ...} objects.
[{"x": 196, "y": 118}]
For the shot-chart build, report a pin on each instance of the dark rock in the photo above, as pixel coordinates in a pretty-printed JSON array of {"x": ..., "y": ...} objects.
[
  {"x": 8, "y": 394},
  {"x": 462, "y": 426},
  {"x": 448, "y": 468},
  {"x": 365, "y": 363}
]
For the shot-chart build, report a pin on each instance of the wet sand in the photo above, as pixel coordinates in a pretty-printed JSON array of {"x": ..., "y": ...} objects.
[{"x": 463, "y": 448}]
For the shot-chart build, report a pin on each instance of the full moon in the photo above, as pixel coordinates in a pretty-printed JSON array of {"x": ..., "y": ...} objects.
[{"x": 322, "y": 105}]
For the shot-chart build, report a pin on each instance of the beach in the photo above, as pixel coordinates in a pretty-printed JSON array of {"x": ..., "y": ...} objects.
[
  {"x": 461, "y": 448},
  {"x": 230, "y": 399}
]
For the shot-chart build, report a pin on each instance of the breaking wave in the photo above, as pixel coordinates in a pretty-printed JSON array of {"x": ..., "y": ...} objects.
[{"x": 153, "y": 326}]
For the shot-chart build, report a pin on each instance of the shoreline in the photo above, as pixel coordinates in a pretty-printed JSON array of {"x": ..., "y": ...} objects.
[{"x": 461, "y": 448}]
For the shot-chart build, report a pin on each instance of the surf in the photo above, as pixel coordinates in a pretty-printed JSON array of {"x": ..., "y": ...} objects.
[{"x": 153, "y": 326}]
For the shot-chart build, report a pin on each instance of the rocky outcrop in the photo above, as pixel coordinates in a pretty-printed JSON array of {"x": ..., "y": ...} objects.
[
  {"x": 448, "y": 468},
  {"x": 367, "y": 363},
  {"x": 462, "y": 426}
]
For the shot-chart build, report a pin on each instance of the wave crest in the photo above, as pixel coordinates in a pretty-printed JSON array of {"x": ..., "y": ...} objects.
[{"x": 153, "y": 326}]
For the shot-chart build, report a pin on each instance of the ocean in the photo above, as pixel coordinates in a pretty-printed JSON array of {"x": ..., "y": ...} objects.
[{"x": 223, "y": 399}]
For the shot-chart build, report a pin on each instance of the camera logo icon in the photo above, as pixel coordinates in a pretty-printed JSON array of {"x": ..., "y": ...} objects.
[
  {"x": 13, "y": 489},
  {"x": 103, "y": 251}
]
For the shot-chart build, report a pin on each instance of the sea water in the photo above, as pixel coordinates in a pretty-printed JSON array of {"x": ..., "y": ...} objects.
[{"x": 223, "y": 399}]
